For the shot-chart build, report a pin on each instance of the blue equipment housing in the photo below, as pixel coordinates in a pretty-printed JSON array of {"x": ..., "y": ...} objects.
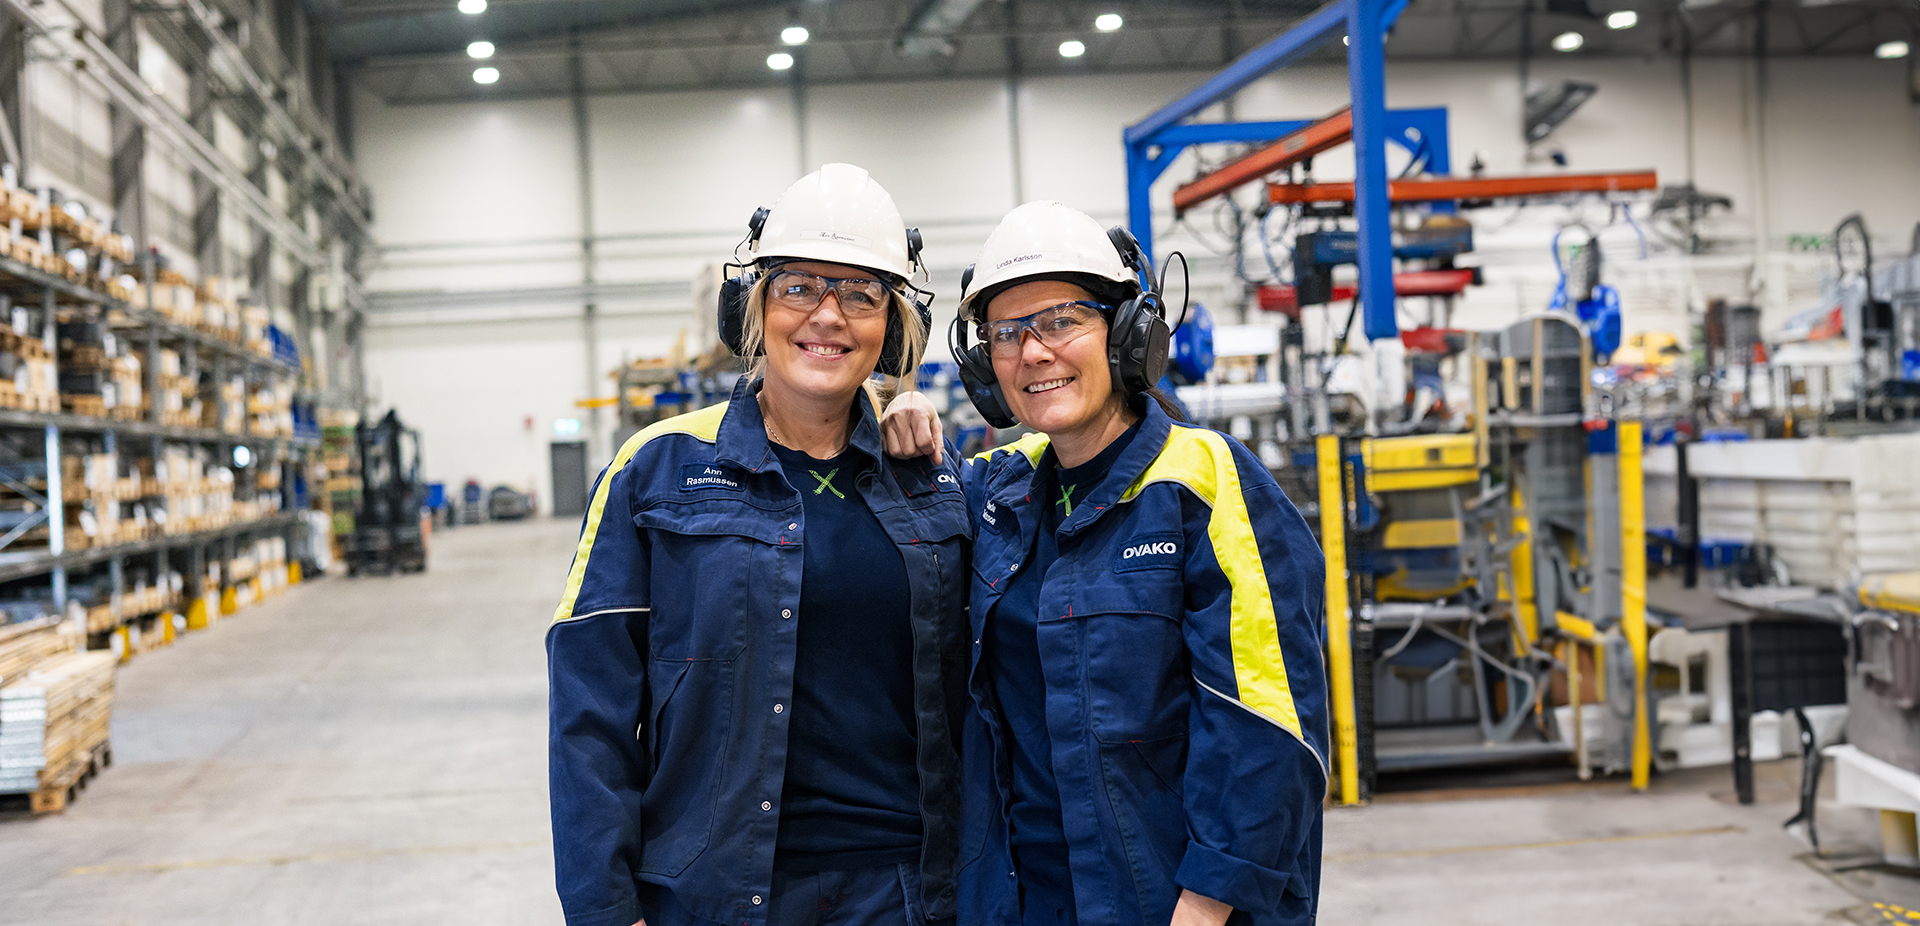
[{"x": 1193, "y": 347}]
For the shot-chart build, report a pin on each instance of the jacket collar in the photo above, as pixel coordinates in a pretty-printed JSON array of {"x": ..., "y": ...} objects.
[
  {"x": 1155, "y": 426},
  {"x": 743, "y": 430}
]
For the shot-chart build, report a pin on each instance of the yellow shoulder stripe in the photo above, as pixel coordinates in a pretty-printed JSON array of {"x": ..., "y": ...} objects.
[
  {"x": 1031, "y": 446},
  {"x": 1201, "y": 461},
  {"x": 704, "y": 425}
]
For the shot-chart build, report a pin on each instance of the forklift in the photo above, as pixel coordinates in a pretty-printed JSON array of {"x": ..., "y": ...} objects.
[{"x": 387, "y": 533}]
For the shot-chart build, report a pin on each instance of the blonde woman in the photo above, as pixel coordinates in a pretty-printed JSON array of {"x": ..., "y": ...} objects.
[{"x": 756, "y": 670}]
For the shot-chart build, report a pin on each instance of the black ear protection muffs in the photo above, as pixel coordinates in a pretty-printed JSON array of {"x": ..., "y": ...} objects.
[
  {"x": 735, "y": 290},
  {"x": 1138, "y": 340},
  {"x": 976, "y": 368}
]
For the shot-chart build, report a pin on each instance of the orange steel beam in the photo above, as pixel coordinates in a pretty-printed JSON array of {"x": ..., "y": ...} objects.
[
  {"x": 1289, "y": 150},
  {"x": 1416, "y": 191}
]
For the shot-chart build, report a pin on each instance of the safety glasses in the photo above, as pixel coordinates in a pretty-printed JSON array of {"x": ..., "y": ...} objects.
[
  {"x": 1054, "y": 325},
  {"x": 800, "y": 291}
]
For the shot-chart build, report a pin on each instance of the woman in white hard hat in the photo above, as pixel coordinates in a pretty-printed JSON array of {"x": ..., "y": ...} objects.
[
  {"x": 754, "y": 672},
  {"x": 1150, "y": 740}
]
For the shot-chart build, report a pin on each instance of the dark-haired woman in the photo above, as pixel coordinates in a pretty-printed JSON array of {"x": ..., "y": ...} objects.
[{"x": 1150, "y": 740}]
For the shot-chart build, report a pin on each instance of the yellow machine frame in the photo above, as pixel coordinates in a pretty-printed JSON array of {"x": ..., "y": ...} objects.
[{"x": 1439, "y": 461}]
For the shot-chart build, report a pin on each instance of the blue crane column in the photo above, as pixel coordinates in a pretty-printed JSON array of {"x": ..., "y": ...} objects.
[
  {"x": 1367, "y": 72},
  {"x": 1153, "y": 143}
]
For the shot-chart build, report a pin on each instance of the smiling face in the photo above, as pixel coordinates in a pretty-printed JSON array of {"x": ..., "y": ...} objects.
[
  {"x": 822, "y": 353},
  {"x": 1065, "y": 391}
]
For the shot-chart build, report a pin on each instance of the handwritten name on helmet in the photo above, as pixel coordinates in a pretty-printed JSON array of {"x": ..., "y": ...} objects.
[{"x": 837, "y": 237}]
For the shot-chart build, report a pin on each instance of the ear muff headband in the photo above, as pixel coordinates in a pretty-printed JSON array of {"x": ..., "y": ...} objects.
[{"x": 735, "y": 291}]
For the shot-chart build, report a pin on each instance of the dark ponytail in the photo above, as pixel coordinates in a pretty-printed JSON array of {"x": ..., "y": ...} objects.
[{"x": 1167, "y": 403}]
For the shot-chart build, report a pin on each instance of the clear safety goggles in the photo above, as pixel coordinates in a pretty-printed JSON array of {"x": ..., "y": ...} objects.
[
  {"x": 1055, "y": 326},
  {"x": 800, "y": 291}
]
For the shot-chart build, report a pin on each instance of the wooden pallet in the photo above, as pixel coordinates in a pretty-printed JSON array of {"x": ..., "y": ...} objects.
[{"x": 58, "y": 790}]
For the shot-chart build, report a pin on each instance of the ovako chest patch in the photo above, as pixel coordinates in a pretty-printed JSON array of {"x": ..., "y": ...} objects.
[{"x": 1159, "y": 550}]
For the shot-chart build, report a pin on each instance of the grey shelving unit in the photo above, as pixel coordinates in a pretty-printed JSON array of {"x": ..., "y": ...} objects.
[{"x": 47, "y": 295}]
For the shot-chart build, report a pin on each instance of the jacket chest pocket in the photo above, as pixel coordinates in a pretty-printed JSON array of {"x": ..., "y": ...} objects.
[
  {"x": 709, "y": 574},
  {"x": 1132, "y": 654}
]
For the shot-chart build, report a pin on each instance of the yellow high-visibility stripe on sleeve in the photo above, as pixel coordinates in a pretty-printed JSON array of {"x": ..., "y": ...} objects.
[
  {"x": 703, "y": 425},
  {"x": 1201, "y": 461}
]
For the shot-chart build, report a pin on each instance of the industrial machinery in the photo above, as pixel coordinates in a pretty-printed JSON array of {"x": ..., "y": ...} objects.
[
  {"x": 388, "y": 535},
  {"x": 1492, "y": 569},
  {"x": 1883, "y": 670},
  {"x": 1881, "y": 316},
  {"x": 647, "y": 391},
  {"x": 1479, "y": 506}
]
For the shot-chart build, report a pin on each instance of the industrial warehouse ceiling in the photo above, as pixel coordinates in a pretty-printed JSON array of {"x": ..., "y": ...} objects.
[{"x": 412, "y": 51}]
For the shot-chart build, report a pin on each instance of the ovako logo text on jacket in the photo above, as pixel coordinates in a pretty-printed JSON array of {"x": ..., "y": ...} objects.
[{"x": 1160, "y": 550}]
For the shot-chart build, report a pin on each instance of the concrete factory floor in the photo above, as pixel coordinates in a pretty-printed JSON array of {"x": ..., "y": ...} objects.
[{"x": 372, "y": 751}]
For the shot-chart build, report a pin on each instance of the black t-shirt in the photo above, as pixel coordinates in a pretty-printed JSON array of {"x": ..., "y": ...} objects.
[
  {"x": 1013, "y": 661},
  {"x": 851, "y": 798}
]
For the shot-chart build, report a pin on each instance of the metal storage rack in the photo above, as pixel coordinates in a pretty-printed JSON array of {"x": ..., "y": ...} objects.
[{"x": 45, "y": 295}]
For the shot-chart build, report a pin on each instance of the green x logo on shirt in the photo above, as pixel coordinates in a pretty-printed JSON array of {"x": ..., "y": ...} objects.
[
  {"x": 1066, "y": 498},
  {"x": 826, "y": 482}
]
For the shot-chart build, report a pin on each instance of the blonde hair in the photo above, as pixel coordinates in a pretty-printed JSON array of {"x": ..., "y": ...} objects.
[{"x": 913, "y": 340}]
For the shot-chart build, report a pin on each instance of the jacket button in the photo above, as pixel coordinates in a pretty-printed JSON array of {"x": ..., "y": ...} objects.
[
  {"x": 777, "y": 708},
  {"x": 786, "y": 612},
  {"x": 794, "y": 526},
  {"x": 1014, "y": 568},
  {"x": 756, "y": 900},
  {"x": 766, "y": 805}
]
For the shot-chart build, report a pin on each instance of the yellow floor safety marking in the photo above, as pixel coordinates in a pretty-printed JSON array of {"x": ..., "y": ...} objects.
[
  {"x": 1457, "y": 850},
  {"x": 347, "y": 855},
  {"x": 1893, "y": 912}
]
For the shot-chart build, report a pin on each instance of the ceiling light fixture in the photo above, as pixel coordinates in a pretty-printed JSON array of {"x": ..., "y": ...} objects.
[
  {"x": 1072, "y": 48},
  {"x": 1622, "y": 19},
  {"x": 795, "y": 35},
  {"x": 485, "y": 75},
  {"x": 480, "y": 50},
  {"x": 1109, "y": 22},
  {"x": 1568, "y": 41},
  {"x": 779, "y": 61},
  {"x": 1894, "y": 49},
  {"x": 473, "y": 7}
]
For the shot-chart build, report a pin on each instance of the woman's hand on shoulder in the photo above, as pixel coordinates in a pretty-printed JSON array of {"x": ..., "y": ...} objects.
[{"x": 911, "y": 427}]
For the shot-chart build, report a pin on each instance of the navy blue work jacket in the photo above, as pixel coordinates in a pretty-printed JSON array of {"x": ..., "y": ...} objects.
[
  {"x": 670, "y": 665},
  {"x": 1186, "y": 692}
]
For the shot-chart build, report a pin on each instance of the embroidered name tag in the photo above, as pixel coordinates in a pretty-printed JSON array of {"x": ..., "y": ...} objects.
[
  {"x": 705, "y": 476},
  {"x": 986, "y": 514},
  {"x": 1149, "y": 551}
]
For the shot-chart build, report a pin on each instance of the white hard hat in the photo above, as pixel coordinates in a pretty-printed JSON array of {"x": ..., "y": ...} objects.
[
  {"x": 1044, "y": 240},
  {"x": 840, "y": 215}
]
